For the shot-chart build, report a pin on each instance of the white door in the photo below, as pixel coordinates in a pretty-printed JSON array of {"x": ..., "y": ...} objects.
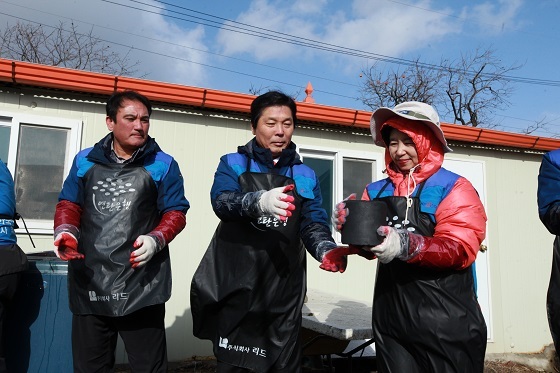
[{"x": 474, "y": 172}]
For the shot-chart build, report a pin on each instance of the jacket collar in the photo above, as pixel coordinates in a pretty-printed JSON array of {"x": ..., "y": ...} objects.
[
  {"x": 253, "y": 150},
  {"x": 101, "y": 152}
]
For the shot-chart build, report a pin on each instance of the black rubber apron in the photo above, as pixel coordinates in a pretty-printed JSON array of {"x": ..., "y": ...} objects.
[
  {"x": 553, "y": 296},
  {"x": 12, "y": 258},
  {"x": 120, "y": 205},
  {"x": 425, "y": 320},
  {"x": 248, "y": 291}
]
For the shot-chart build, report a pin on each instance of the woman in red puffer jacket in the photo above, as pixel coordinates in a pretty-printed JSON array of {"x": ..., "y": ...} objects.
[{"x": 426, "y": 317}]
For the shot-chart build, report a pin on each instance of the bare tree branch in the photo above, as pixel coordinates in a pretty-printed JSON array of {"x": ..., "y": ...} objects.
[
  {"x": 542, "y": 124},
  {"x": 468, "y": 90},
  {"x": 413, "y": 83},
  {"x": 63, "y": 46},
  {"x": 476, "y": 86},
  {"x": 260, "y": 90}
]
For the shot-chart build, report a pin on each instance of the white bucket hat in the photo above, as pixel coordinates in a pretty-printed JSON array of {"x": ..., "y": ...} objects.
[{"x": 412, "y": 110}]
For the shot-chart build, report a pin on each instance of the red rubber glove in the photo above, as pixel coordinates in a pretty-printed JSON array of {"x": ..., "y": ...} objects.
[
  {"x": 66, "y": 247},
  {"x": 340, "y": 213},
  {"x": 335, "y": 260}
]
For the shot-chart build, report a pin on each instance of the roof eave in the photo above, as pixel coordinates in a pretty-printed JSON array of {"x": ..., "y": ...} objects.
[{"x": 37, "y": 75}]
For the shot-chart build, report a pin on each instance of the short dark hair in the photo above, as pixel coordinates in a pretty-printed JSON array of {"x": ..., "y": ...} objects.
[
  {"x": 116, "y": 100},
  {"x": 268, "y": 99},
  {"x": 385, "y": 134}
]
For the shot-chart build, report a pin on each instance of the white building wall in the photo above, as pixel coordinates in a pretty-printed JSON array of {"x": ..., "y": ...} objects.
[
  {"x": 520, "y": 254},
  {"x": 519, "y": 248}
]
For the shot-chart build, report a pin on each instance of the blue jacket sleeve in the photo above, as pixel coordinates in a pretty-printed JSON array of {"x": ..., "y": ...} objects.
[
  {"x": 312, "y": 209},
  {"x": 228, "y": 201},
  {"x": 315, "y": 230},
  {"x": 71, "y": 189},
  {"x": 548, "y": 195},
  {"x": 171, "y": 192},
  {"x": 225, "y": 180},
  {"x": 8, "y": 200},
  {"x": 7, "y": 206}
]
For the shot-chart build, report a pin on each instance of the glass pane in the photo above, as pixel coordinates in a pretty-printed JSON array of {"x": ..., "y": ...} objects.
[
  {"x": 4, "y": 141},
  {"x": 39, "y": 170},
  {"x": 324, "y": 170},
  {"x": 357, "y": 174}
]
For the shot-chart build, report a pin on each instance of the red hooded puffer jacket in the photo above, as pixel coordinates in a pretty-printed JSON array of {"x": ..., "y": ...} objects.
[{"x": 460, "y": 217}]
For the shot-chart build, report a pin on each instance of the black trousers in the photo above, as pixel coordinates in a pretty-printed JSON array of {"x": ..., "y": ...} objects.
[
  {"x": 94, "y": 339},
  {"x": 8, "y": 287}
]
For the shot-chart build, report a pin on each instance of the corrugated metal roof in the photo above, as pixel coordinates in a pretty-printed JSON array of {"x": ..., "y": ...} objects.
[{"x": 19, "y": 73}]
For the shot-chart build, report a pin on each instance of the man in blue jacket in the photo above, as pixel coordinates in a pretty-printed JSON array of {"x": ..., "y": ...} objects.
[
  {"x": 12, "y": 260},
  {"x": 248, "y": 292},
  {"x": 548, "y": 199},
  {"x": 120, "y": 206}
]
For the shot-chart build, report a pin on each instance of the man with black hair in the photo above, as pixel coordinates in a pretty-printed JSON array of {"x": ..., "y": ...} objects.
[
  {"x": 120, "y": 206},
  {"x": 248, "y": 292},
  {"x": 548, "y": 200}
]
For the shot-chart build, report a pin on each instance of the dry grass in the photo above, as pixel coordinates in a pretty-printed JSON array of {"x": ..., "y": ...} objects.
[{"x": 506, "y": 367}]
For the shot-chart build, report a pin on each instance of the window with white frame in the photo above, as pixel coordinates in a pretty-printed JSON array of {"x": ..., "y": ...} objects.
[
  {"x": 38, "y": 152},
  {"x": 342, "y": 172}
]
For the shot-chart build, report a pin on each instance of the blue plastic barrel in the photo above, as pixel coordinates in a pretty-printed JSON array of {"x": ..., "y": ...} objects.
[{"x": 39, "y": 323}]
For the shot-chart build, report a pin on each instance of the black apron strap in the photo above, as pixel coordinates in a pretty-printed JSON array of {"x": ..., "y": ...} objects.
[
  {"x": 383, "y": 188},
  {"x": 420, "y": 188}
]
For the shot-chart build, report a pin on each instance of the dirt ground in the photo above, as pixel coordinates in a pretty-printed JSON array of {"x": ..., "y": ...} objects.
[
  {"x": 506, "y": 367},
  {"x": 544, "y": 361},
  {"x": 209, "y": 366},
  {"x": 198, "y": 366}
]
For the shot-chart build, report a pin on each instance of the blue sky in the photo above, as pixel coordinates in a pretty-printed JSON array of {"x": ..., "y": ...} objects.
[{"x": 206, "y": 43}]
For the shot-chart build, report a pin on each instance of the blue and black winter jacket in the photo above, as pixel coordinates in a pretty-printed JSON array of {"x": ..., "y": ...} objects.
[
  {"x": 314, "y": 227},
  {"x": 161, "y": 166}
]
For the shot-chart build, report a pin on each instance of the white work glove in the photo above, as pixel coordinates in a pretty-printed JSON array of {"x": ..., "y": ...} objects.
[
  {"x": 146, "y": 248},
  {"x": 395, "y": 244},
  {"x": 340, "y": 212},
  {"x": 277, "y": 203}
]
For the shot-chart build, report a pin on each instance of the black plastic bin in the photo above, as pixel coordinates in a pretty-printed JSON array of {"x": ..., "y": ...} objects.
[{"x": 39, "y": 324}]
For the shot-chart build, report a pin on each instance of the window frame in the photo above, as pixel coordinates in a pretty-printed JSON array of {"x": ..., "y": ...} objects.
[
  {"x": 74, "y": 126},
  {"x": 338, "y": 156}
]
